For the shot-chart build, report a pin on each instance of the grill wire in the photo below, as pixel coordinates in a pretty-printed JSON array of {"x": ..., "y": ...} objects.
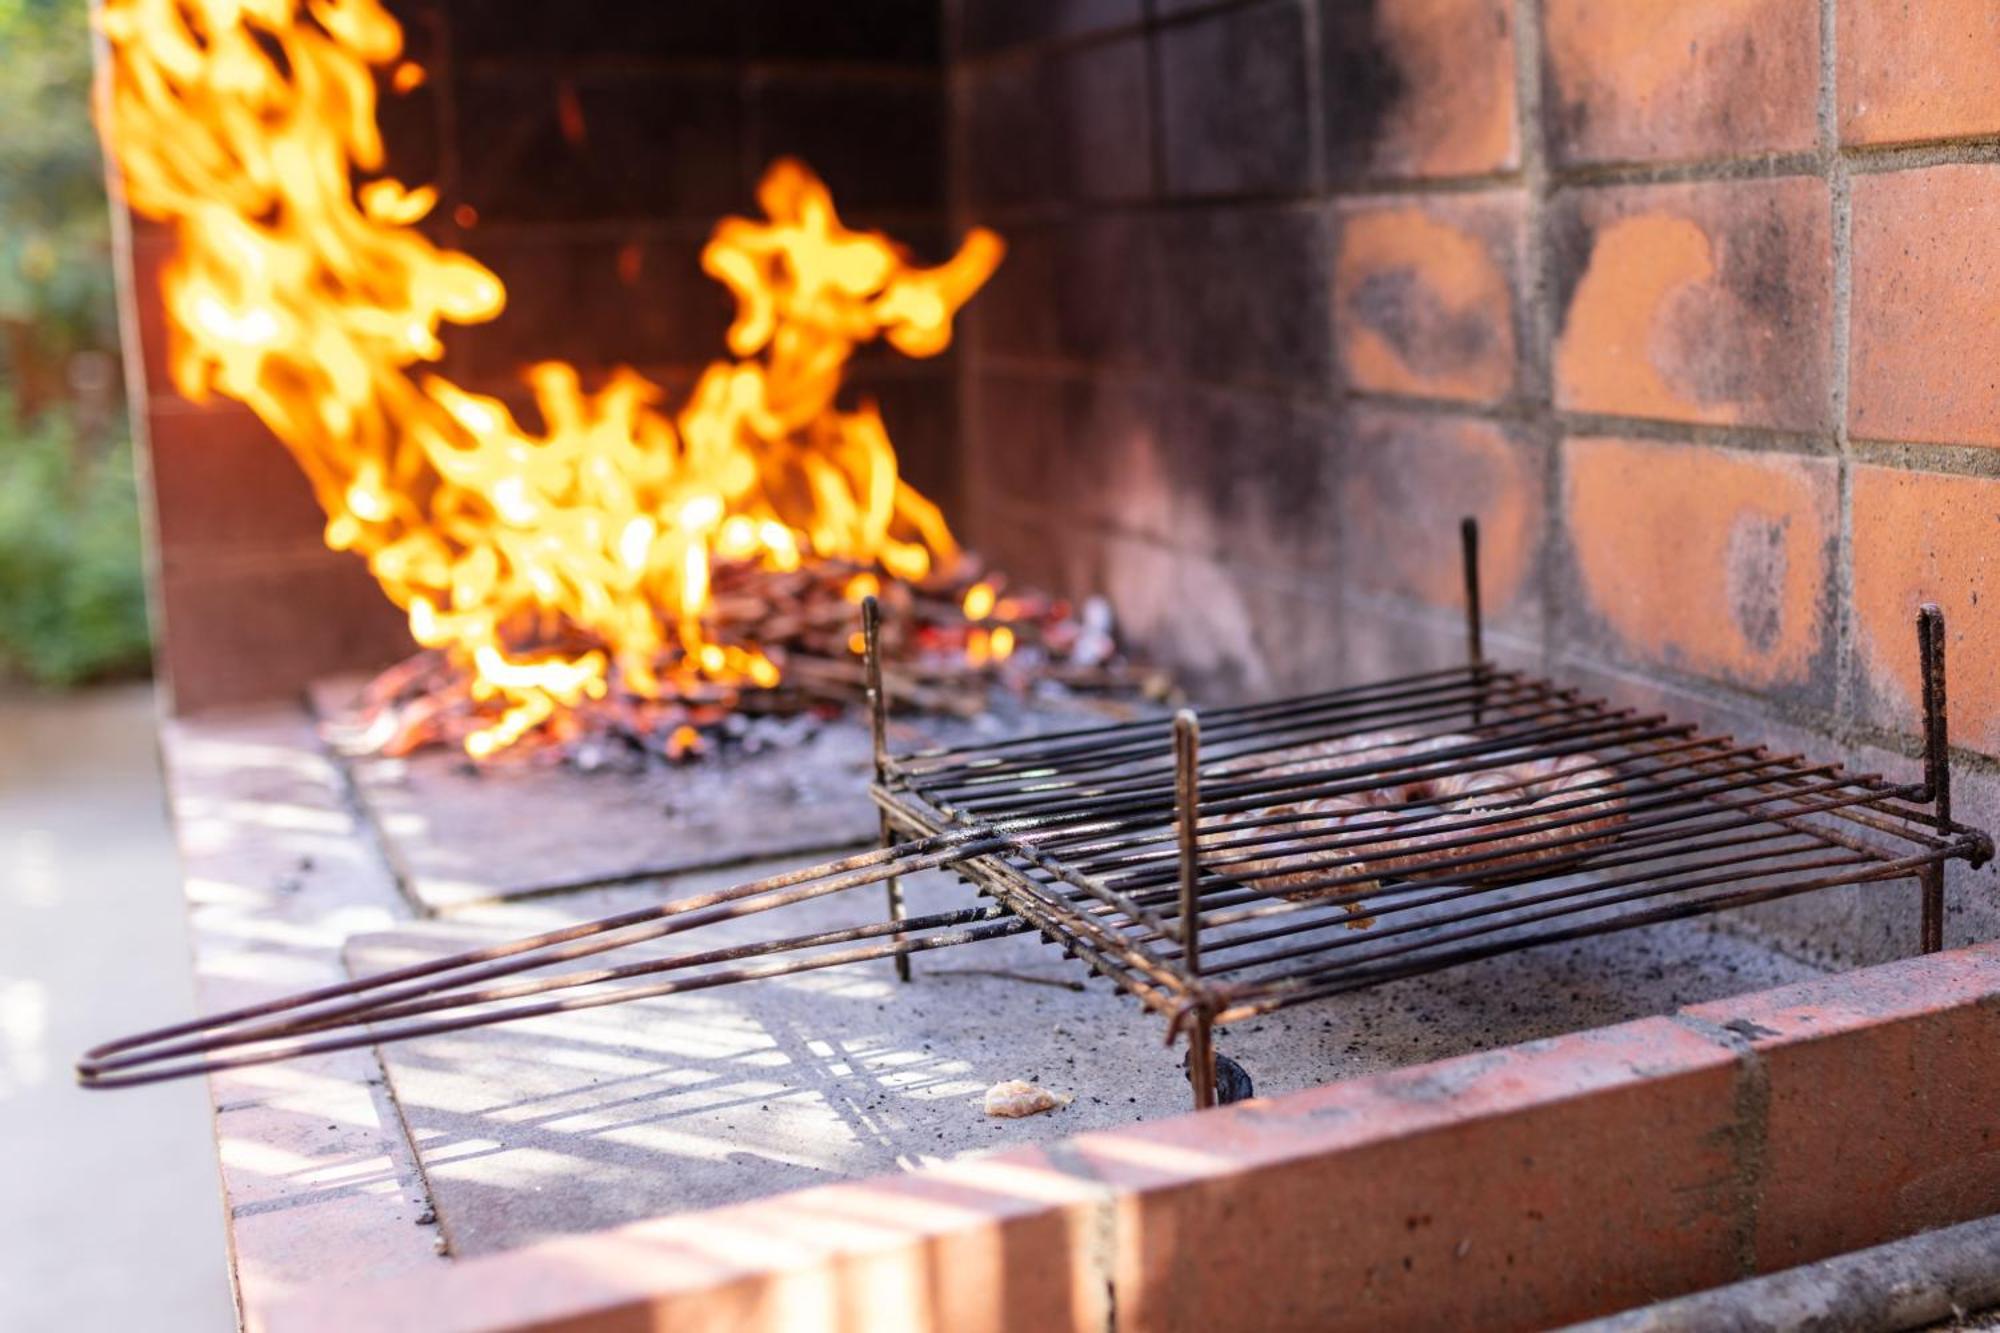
[{"x": 1093, "y": 859}]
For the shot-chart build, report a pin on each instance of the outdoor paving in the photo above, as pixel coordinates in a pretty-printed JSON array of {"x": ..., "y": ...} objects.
[{"x": 109, "y": 1217}]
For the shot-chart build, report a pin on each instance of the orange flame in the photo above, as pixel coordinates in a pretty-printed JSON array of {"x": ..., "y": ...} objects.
[{"x": 316, "y": 302}]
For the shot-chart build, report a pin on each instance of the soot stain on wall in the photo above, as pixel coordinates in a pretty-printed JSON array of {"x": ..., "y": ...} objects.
[
  {"x": 1427, "y": 335},
  {"x": 1757, "y": 563},
  {"x": 1362, "y": 83},
  {"x": 1570, "y": 239}
]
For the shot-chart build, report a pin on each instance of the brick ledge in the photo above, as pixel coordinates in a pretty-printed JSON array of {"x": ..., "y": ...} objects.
[{"x": 1518, "y": 1188}]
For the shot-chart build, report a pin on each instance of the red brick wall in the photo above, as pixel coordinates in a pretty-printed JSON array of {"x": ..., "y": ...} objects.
[{"x": 1692, "y": 303}]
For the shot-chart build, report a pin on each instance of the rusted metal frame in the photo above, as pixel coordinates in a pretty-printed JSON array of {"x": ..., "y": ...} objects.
[
  {"x": 1021, "y": 834},
  {"x": 1519, "y": 709},
  {"x": 1117, "y": 954},
  {"x": 1158, "y": 731},
  {"x": 1335, "y": 839},
  {"x": 1403, "y": 896},
  {"x": 563, "y": 945},
  {"x": 1395, "y": 823},
  {"x": 1937, "y": 766},
  {"x": 1245, "y": 1000},
  {"x": 1872, "y": 786},
  {"x": 1100, "y": 775},
  {"x": 1310, "y": 725},
  {"x": 1402, "y": 815},
  {"x": 1478, "y": 850},
  {"x": 1475, "y": 633},
  {"x": 1155, "y": 778},
  {"x": 1352, "y": 779},
  {"x": 1247, "y": 906},
  {"x": 1708, "y": 771},
  {"x": 861, "y": 862},
  {"x": 1471, "y": 832},
  {"x": 1108, "y": 953},
  {"x": 375, "y": 1036},
  {"x": 1590, "y": 895},
  {"x": 1239, "y": 906},
  {"x": 1033, "y": 901},
  {"x": 1104, "y": 857},
  {"x": 1675, "y": 842},
  {"x": 877, "y": 699},
  {"x": 1070, "y": 875},
  {"x": 1386, "y": 899},
  {"x": 1224, "y": 745},
  {"x": 456, "y": 999},
  {"x": 1425, "y": 939},
  {"x": 1472, "y": 849},
  {"x": 1142, "y": 740},
  {"x": 1864, "y": 799},
  {"x": 1577, "y": 737}
]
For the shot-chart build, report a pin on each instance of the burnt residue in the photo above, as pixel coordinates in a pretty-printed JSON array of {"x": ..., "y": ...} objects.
[
  {"x": 1258, "y": 470},
  {"x": 1361, "y": 83},
  {"x": 1757, "y": 562},
  {"x": 1741, "y": 337},
  {"x": 1741, "y": 343},
  {"x": 1570, "y": 239},
  {"x": 1566, "y": 121},
  {"x": 1758, "y": 266},
  {"x": 1428, "y": 336}
]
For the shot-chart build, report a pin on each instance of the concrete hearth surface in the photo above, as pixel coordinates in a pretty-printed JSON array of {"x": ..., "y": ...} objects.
[
  {"x": 582, "y": 1121},
  {"x": 455, "y": 835}
]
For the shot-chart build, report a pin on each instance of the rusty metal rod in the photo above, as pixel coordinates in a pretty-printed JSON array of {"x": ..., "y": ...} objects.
[
  {"x": 587, "y": 938},
  {"x": 308, "y": 1045}
]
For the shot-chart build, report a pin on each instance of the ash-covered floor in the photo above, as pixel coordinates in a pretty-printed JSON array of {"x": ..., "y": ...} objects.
[{"x": 579, "y": 1121}]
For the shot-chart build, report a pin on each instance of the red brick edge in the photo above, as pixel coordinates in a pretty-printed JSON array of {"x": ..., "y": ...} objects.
[{"x": 1517, "y": 1188}]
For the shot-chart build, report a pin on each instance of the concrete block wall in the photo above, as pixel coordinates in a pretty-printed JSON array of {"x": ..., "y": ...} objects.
[
  {"x": 583, "y": 151},
  {"x": 1691, "y": 304}
]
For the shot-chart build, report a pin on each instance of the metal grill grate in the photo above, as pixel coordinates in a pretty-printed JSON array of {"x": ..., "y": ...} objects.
[{"x": 1175, "y": 858}]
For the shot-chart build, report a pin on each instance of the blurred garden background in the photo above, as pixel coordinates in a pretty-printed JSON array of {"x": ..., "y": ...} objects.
[
  {"x": 72, "y": 596},
  {"x": 109, "y": 1213}
]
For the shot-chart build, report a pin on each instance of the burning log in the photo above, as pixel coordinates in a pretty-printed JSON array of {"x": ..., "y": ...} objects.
[{"x": 947, "y": 644}]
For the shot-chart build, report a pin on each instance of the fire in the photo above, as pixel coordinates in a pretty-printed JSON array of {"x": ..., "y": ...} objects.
[{"x": 551, "y": 563}]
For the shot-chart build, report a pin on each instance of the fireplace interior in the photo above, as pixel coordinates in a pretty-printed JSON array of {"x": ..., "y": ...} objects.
[{"x": 1291, "y": 287}]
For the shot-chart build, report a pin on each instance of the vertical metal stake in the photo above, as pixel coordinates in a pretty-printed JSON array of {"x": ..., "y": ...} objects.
[
  {"x": 1937, "y": 764},
  {"x": 1187, "y": 823},
  {"x": 1475, "y": 645},
  {"x": 878, "y": 726}
]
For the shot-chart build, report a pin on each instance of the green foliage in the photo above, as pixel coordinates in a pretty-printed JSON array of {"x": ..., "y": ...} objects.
[
  {"x": 72, "y": 599},
  {"x": 54, "y": 230}
]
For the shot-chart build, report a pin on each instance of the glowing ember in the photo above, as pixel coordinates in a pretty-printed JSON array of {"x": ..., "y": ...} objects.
[{"x": 549, "y": 567}]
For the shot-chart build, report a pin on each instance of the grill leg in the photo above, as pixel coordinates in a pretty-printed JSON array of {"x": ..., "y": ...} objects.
[
  {"x": 897, "y": 912},
  {"x": 1187, "y": 819},
  {"x": 1475, "y": 639},
  {"x": 1937, "y": 764},
  {"x": 1201, "y": 1061},
  {"x": 1931, "y": 878},
  {"x": 878, "y": 726}
]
